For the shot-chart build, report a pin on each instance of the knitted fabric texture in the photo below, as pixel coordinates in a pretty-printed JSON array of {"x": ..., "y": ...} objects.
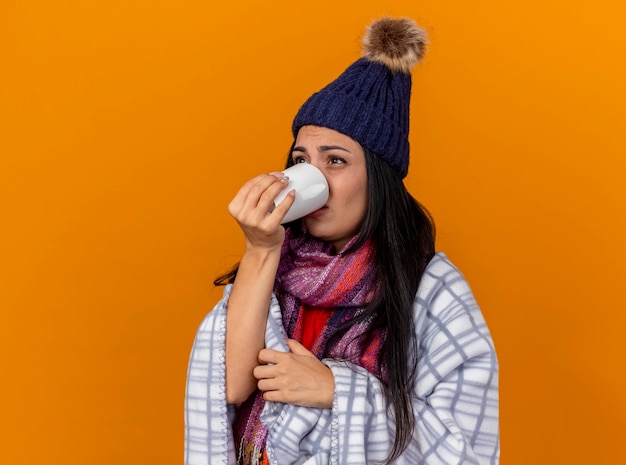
[
  {"x": 309, "y": 275},
  {"x": 370, "y": 104}
]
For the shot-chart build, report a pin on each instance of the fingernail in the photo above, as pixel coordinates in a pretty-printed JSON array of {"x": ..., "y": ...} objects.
[{"x": 285, "y": 179}]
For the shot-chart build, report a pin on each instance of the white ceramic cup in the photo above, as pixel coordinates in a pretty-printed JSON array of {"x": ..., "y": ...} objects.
[{"x": 311, "y": 190}]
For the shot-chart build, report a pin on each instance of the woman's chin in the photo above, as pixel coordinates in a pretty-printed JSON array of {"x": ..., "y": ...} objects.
[{"x": 317, "y": 228}]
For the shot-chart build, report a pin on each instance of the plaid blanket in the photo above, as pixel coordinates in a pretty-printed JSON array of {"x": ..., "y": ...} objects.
[{"x": 455, "y": 396}]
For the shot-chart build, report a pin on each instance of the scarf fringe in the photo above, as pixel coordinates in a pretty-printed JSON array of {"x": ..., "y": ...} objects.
[{"x": 251, "y": 454}]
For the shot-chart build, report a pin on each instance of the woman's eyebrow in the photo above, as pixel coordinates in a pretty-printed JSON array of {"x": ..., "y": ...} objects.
[
  {"x": 322, "y": 148},
  {"x": 326, "y": 148}
]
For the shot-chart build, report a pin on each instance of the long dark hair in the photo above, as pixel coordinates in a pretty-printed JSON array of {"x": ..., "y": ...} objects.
[{"x": 403, "y": 235}]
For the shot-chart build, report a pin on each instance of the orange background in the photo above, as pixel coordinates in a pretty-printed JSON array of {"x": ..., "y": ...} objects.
[{"x": 126, "y": 127}]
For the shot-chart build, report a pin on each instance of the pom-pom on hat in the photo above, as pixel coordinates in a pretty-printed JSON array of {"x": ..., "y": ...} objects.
[{"x": 369, "y": 101}]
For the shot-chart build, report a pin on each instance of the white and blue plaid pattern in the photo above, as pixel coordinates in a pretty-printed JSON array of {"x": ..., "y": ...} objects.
[{"x": 455, "y": 396}]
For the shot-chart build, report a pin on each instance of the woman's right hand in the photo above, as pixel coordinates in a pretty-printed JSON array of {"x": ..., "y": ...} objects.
[
  {"x": 251, "y": 209},
  {"x": 251, "y": 293}
]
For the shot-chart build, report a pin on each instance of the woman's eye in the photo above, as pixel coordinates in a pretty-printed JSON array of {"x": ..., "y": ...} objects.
[
  {"x": 297, "y": 160},
  {"x": 336, "y": 160}
]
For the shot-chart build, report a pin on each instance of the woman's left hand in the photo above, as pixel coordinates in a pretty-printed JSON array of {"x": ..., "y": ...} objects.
[{"x": 295, "y": 377}]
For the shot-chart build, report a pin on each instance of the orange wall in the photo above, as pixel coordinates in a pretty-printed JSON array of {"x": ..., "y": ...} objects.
[{"x": 126, "y": 127}]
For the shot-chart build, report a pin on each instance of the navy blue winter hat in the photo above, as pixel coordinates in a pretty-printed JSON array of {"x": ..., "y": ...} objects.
[{"x": 369, "y": 101}]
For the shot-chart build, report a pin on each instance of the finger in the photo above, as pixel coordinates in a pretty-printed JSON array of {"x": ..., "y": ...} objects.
[
  {"x": 241, "y": 194},
  {"x": 267, "y": 200},
  {"x": 273, "y": 396},
  {"x": 264, "y": 190},
  {"x": 283, "y": 207},
  {"x": 260, "y": 204},
  {"x": 249, "y": 194},
  {"x": 267, "y": 385},
  {"x": 270, "y": 356},
  {"x": 263, "y": 371},
  {"x": 298, "y": 349}
]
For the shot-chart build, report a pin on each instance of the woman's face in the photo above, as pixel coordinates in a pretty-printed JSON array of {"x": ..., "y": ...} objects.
[{"x": 342, "y": 161}]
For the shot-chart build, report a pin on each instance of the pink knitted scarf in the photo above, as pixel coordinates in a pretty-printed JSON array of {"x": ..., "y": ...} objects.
[{"x": 310, "y": 274}]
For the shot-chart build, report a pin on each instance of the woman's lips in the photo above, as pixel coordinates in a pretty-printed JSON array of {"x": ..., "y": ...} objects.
[{"x": 317, "y": 213}]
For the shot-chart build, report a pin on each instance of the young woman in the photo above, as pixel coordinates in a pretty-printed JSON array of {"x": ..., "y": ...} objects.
[{"x": 343, "y": 337}]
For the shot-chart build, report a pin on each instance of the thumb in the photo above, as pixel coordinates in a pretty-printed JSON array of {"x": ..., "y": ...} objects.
[{"x": 298, "y": 349}]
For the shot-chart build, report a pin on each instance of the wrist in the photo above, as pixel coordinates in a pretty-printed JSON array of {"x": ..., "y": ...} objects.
[
  {"x": 256, "y": 252},
  {"x": 258, "y": 260}
]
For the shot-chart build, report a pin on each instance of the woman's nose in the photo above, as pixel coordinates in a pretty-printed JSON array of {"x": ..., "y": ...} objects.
[{"x": 318, "y": 164}]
